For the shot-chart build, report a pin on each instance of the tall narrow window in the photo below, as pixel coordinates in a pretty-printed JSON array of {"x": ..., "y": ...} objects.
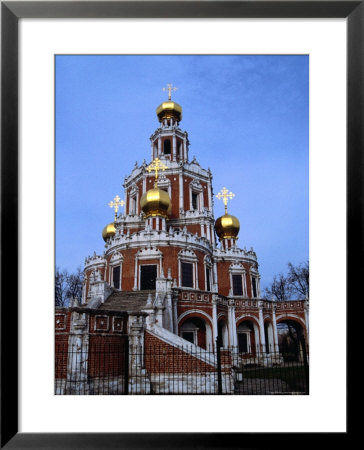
[
  {"x": 167, "y": 147},
  {"x": 237, "y": 285},
  {"x": 148, "y": 275},
  {"x": 208, "y": 287},
  {"x": 194, "y": 200},
  {"x": 243, "y": 342},
  {"x": 187, "y": 274},
  {"x": 116, "y": 277},
  {"x": 133, "y": 205},
  {"x": 254, "y": 285}
]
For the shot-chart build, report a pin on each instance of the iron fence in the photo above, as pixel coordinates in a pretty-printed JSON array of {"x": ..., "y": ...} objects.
[{"x": 157, "y": 369}]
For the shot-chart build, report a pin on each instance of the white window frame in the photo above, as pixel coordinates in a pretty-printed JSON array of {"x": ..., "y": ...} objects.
[
  {"x": 112, "y": 276},
  {"x": 145, "y": 255},
  {"x": 133, "y": 201},
  {"x": 196, "y": 188},
  {"x": 208, "y": 266},
  {"x": 254, "y": 273},
  {"x": 238, "y": 269},
  {"x": 116, "y": 260},
  {"x": 248, "y": 342},
  {"x": 187, "y": 256},
  {"x": 190, "y": 330}
]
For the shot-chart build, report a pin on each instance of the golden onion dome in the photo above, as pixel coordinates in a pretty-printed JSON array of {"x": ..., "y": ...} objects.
[
  {"x": 155, "y": 202},
  {"x": 227, "y": 227},
  {"x": 108, "y": 231},
  {"x": 169, "y": 109}
]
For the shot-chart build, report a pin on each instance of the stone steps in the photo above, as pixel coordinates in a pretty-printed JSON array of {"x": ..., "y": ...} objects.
[{"x": 127, "y": 301}]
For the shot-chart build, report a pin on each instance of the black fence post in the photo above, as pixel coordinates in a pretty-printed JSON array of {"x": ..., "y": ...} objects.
[
  {"x": 219, "y": 377},
  {"x": 305, "y": 364},
  {"x": 126, "y": 365}
]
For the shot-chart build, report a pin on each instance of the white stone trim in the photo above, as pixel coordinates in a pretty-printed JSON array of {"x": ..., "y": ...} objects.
[
  {"x": 107, "y": 323},
  {"x": 113, "y": 324},
  {"x": 192, "y": 311},
  {"x": 285, "y": 314},
  {"x": 208, "y": 266},
  {"x": 254, "y": 273}
]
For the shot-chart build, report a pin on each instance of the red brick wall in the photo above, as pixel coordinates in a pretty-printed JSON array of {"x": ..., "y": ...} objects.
[
  {"x": 62, "y": 328},
  {"x": 205, "y": 195},
  {"x": 226, "y": 360},
  {"x": 106, "y": 355},
  {"x": 174, "y": 196},
  {"x": 223, "y": 277},
  {"x": 248, "y": 280},
  {"x": 161, "y": 357},
  {"x": 186, "y": 192},
  {"x": 61, "y": 352},
  {"x": 128, "y": 269}
]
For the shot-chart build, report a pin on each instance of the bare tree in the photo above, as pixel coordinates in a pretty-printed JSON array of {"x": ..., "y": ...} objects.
[
  {"x": 68, "y": 286},
  {"x": 74, "y": 285},
  {"x": 299, "y": 278},
  {"x": 61, "y": 288},
  {"x": 294, "y": 285},
  {"x": 280, "y": 289}
]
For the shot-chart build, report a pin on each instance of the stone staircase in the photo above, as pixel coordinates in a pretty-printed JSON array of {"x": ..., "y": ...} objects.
[
  {"x": 129, "y": 301},
  {"x": 180, "y": 343}
]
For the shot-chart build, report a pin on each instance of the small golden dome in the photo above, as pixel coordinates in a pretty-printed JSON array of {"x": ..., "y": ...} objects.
[
  {"x": 108, "y": 231},
  {"x": 227, "y": 227},
  {"x": 169, "y": 109},
  {"x": 155, "y": 202}
]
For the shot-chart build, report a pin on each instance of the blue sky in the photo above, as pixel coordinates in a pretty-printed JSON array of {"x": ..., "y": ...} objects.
[{"x": 247, "y": 119}]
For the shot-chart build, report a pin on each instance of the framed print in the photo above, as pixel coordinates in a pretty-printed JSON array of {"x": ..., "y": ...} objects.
[{"x": 160, "y": 28}]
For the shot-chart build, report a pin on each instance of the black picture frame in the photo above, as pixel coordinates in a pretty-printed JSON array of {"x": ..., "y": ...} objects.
[{"x": 11, "y": 12}]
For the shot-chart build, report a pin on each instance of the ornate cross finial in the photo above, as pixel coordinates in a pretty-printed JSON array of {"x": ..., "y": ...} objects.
[
  {"x": 156, "y": 165},
  {"x": 224, "y": 194},
  {"x": 116, "y": 203},
  {"x": 170, "y": 88}
]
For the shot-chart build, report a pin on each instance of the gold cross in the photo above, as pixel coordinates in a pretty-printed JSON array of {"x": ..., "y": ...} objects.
[
  {"x": 170, "y": 88},
  {"x": 115, "y": 204},
  {"x": 156, "y": 165},
  {"x": 224, "y": 194}
]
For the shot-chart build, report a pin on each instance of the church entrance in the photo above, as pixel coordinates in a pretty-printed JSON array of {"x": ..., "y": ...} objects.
[
  {"x": 194, "y": 331},
  {"x": 148, "y": 275},
  {"x": 246, "y": 338},
  {"x": 290, "y": 340}
]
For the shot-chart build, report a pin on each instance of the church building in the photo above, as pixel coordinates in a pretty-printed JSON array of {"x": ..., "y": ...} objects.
[{"x": 171, "y": 274}]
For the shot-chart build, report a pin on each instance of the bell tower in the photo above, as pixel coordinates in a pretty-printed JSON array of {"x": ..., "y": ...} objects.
[{"x": 169, "y": 140}]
